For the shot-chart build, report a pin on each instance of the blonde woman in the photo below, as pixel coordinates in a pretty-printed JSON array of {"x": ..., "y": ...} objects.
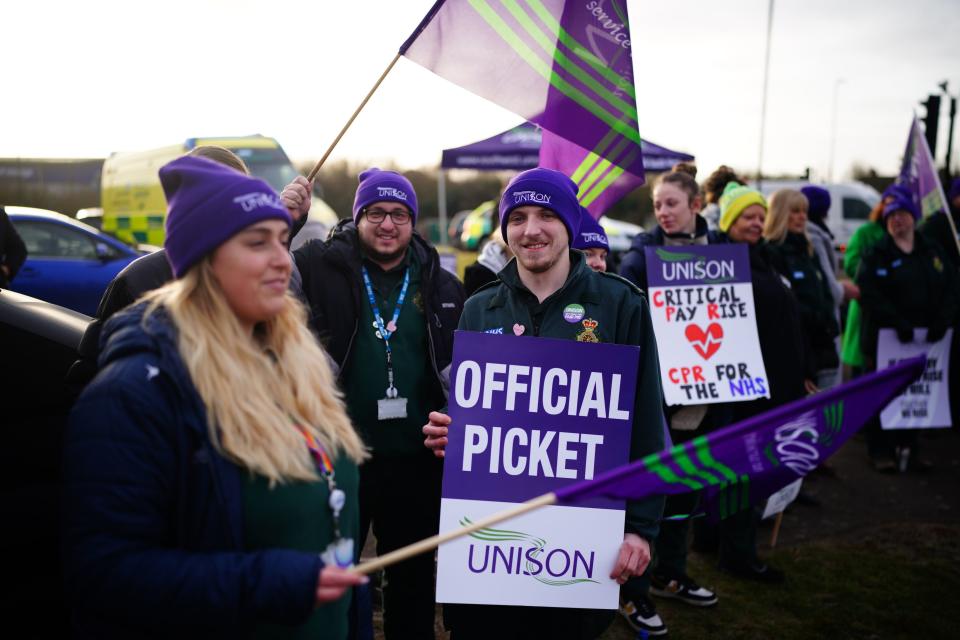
[
  {"x": 211, "y": 470},
  {"x": 785, "y": 229}
]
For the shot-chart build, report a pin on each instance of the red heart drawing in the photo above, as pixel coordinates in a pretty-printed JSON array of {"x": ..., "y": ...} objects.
[{"x": 705, "y": 342}]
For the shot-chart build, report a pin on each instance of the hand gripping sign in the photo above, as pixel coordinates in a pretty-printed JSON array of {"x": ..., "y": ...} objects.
[
  {"x": 701, "y": 302},
  {"x": 532, "y": 415}
]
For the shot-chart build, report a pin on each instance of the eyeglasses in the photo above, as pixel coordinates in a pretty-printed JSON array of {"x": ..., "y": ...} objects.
[{"x": 398, "y": 216}]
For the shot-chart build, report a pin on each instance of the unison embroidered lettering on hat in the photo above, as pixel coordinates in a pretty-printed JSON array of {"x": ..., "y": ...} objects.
[{"x": 530, "y": 196}]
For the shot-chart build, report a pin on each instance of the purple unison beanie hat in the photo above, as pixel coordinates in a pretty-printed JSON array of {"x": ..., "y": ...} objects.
[
  {"x": 383, "y": 186},
  {"x": 545, "y": 188},
  {"x": 591, "y": 235},
  {"x": 900, "y": 201},
  {"x": 819, "y": 199},
  {"x": 207, "y": 204}
]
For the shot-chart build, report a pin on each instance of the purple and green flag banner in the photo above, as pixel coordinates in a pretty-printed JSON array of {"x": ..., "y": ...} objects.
[
  {"x": 919, "y": 173},
  {"x": 745, "y": 463},
  {"x": 565, "y": 66}
]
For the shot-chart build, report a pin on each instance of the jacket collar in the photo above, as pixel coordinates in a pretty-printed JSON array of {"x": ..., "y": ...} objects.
[{"x": 579, "y": 271}]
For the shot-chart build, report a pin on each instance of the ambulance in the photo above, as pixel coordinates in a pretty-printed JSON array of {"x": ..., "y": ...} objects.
[{"x": 134, "y": 208}]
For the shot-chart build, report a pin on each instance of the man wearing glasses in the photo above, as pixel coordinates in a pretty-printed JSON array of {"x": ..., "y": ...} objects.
[{"x": 386, "y": 312}]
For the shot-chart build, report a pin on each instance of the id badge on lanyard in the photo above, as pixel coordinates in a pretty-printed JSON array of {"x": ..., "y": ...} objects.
[
  {"x": 392, "y": 406},
  {"x": 339, "y": 553}
]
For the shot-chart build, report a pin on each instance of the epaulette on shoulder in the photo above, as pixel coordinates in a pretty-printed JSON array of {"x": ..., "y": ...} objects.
[{"x": 634, "y": 288}]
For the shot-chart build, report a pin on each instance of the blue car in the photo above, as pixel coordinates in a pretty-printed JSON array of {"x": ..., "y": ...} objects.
[{"x": 68, "y": 263}]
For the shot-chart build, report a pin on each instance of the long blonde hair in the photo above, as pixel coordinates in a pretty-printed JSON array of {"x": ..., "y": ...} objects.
[
  {"x": 782, "y": 202},
  {"x": 256, "y": 391}
]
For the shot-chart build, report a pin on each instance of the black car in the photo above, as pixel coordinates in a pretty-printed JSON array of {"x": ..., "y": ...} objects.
[{"x": 38, "y": 344}]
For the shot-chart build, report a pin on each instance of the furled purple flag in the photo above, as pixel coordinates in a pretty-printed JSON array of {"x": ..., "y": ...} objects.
[
  {"x": 919, "y": 173},
  {"x": 745, "y": 463},
  {"x": 565, "y": 66}
]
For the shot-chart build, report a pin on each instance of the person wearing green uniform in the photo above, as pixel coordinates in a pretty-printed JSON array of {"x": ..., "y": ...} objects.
[
  {"x": 386, "y": 312},
  {"x": 549, "y": 291}
]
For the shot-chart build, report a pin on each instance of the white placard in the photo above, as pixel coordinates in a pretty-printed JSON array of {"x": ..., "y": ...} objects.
[
  {"x": 926, "y": 403},
  {"x": 780, "y": 500},
  {"x": 543, "y": 558}
]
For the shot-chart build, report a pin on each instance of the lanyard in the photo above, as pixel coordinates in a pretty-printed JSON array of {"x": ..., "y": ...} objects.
[
  {"x": 392, "y": 325},
  {"x": 325, "y": 468}
]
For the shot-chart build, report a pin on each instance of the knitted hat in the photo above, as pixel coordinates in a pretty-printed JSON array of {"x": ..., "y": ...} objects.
[
  {"x": 592, "y": 235},
  {"x": 819, "y": 199},
  {"x": 207, "y": 204},
  {"x": 900, "y": 200},
  {"x": 545, "y": 188},
  {"x": 383, "y": 186},
  {"x": 737, "y": 197}
]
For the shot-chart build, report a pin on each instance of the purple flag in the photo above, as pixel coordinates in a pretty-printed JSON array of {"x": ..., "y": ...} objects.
[
  {"x": 745, "y": 463},
  {"x": 919, "y": 173},
  {"x": 565, "y": 66}
]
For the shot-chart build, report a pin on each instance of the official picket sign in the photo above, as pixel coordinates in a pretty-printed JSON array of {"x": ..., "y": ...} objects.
[
  {"x": 701, "y": 301},
  {"x": 531, "y": 415},
  {"x": 926, "y": 403}
]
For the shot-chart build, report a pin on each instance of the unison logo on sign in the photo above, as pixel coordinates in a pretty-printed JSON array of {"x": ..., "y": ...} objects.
[{"x": 514, "y": 553}]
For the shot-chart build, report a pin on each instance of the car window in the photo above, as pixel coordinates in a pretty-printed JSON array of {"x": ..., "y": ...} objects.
[
  {"x": 47, "y": 240},
  {"x": 855, "y": 209}
]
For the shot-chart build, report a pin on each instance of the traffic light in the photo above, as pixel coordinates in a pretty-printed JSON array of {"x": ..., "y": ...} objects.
[{"x": 930, "y": 122}]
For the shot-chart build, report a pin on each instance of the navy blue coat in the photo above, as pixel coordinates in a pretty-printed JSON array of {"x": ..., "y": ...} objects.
[
  {"x": 633, "y": 266},
  {"x": 153, "y": 533}
]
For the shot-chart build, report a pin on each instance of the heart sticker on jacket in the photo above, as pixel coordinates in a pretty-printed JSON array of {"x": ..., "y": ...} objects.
[
  {"x": 705, "y": 342},
  {"x": 518, "y": 329}
]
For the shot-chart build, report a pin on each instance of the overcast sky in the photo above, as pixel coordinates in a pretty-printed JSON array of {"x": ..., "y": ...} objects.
[{"x": 85, "y": 78}]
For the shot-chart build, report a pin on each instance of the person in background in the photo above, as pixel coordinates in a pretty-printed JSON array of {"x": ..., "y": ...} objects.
[
  {"x": 712, "y": 189},
  {"x": 937, "y": 228},
  {"x": 785, "y": 231},
  {"x": 13, "y": 253},
  {"x": 545, "y": 277},
  {"x": 905, "y": 283},
  {"x": 210, "y": 467},
  {"x": 676, "y": 202},
  {"x": 494, "y": 256},
  {"x": 862, "y": 241},
  {"x": 676, "y": 206},
  {"x": 592, "y": 240},
  {"x": 742, "y": 214},
  {"x": 386, "y": 312},
  {"x": 145, "y": 274},
  {"x": 842, "y": 289}
]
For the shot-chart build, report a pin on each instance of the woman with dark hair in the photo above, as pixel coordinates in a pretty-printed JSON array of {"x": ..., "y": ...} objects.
[
  {"x": 905, "y": 283},
  {"x": 211, "y": 469},
  {"x": 713, "y": 188}
]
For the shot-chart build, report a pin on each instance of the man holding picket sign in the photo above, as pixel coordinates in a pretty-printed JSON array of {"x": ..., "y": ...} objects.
[{"x": 549, "y": 291}]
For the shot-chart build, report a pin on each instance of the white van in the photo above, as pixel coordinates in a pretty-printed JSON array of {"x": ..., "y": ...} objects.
[{"x": 850, "y": 204}]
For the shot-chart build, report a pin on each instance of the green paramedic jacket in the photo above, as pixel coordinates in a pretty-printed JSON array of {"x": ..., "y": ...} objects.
[{"x": 621, "y": 316}]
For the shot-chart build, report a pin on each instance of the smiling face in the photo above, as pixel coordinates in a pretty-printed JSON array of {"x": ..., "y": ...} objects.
[
  {"x": 385, "y": 242},
  {"x": 253, "y": 271},
  {"x": 674, "y": 209},
  {"x": 537, "y": 237},
  {"x": 748, "y": 227}
]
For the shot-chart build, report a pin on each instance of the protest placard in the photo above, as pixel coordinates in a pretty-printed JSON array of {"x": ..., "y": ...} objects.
[
  {"x": 926, "y": 403},
  {"x": 529, "y": 416},
  {"x": 701, "y": 302},
  {"x": 780, "y": 500}
]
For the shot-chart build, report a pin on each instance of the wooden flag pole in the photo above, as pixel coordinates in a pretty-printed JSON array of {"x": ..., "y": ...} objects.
[
  {"x": 316, "y": 168},
  {"x": 428, "y": 544},
  {"x": 776, "y": 530}
]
